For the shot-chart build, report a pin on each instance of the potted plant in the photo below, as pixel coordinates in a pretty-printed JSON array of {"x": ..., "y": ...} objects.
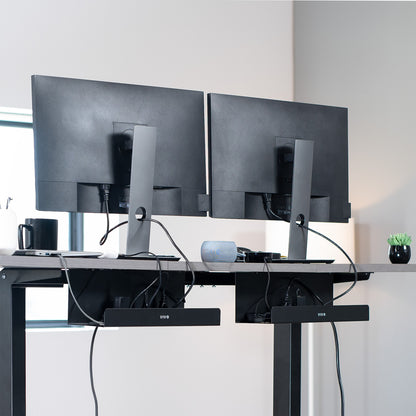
[{"x": 399, "y": 251}]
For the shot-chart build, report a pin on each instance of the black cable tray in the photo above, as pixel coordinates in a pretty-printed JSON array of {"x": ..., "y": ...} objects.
[
  {"x": 318, "y": 313},
  {"x": 162, "y": 317}
]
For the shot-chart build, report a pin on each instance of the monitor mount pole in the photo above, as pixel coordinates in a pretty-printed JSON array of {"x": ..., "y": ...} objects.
[
  {"x": 301, "y": 199},
  {"x": 141, "y": 190}
]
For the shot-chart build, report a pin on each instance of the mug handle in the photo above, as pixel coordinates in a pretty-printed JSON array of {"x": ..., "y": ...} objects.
[{"x": 20, "y": 236}]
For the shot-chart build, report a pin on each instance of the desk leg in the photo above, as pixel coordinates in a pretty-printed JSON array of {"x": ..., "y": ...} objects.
[
  {"x": 12, "y": 348},
  {"x": 287, "y": 365}
]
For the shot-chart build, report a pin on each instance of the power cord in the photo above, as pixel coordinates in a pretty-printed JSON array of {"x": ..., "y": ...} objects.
[
  {"x": 336, "y": 340},
  {"x": 188, "y": 263},
  {"x": 136, "y": 298},
  {"x": 345, "y": 254},
  {"x": 87, "y": 281},
  {"x": 105, "y": 236},
  {"x": 98, "y": 324},
  {"x": 65, "y": 268},
  {"x": 338, "y": 366},
  {"x": 264, "y": 316},
  {"x": 159, "y": 278},
  {"x": 266, "y": 292},
  {"x": 94, "y": 394},
  {"x": 271, "y": 214},
  {"x": 267, "y": 201},
  {"x": 105, "y": 192}
]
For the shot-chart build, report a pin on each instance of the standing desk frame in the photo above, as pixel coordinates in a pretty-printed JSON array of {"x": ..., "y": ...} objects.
[{"x": 20, "y": 272}]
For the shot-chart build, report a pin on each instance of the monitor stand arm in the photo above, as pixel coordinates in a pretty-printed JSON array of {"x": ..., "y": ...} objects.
[
  {"x": 141, "y": 189},
  {"x": 301, "y": 198}
]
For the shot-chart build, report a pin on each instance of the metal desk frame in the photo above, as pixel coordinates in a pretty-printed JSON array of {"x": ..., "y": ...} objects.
[{"x": 20, "y": 272}]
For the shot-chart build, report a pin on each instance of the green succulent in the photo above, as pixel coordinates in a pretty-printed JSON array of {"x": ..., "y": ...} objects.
[{"x": 400, "y": 239}]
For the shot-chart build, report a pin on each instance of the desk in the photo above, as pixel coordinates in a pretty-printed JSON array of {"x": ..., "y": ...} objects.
[{"x": 21, "y": 272}]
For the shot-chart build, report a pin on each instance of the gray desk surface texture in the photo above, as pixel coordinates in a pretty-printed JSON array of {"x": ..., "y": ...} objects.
[{"x": 122, "y": 264}]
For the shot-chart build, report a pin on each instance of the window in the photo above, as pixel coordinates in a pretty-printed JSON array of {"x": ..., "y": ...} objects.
[
  {"x": 17, "y": 181},
  {"x": 45, "y": 307}
]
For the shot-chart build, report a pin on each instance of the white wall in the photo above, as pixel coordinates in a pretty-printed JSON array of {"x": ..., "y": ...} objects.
[
  {"x": 231, "y": 47},
  {"x": 360, "y": 55},
  {"x": 216, "y": 46}
]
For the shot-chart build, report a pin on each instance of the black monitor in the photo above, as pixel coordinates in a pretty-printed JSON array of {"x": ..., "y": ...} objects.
[
  {"x": 292, "y": 156},
  {"x": 83, "y": 132}
]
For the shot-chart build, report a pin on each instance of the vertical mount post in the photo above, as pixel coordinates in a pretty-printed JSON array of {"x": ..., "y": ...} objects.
[
  {"x": 76, "y": 231},
  {"x": 301, "y": 198},
  {"x": 141, "y": 188}
]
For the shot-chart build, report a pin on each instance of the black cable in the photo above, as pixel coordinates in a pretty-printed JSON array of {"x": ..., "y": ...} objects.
[
  {"x": 65, "y": 268},
  {"x": 335, "y": 332},
  {"x": 264, "y": 316},
  {"x": 256, "y": 305},
  {"x": 82, "y": 290},
  {"x": 141, "y": 252},
  {"x": 345, "y": 254},
  {"x": 156, "y": 292},
  {"x": 98, "y": 324},
  {"x": 136, "y": 298},
  {"x": 159, "y": 265},
  {"x": 188, "y": 264},
  {"x": 286, "y": 299},
  {"x": 107, "y": 214},
  {"x": 338, "y": 365},
  {"x": 94, "y": 394},
  {"x": 270, "y": 213},
  {"x": 116, "y": 226},
  {"x": 105, "y": 236},
  {"x": 266, "y": 293},
  {"x": 305, "y": 286},
  {"x": 105, "y": 191},
  {"x": 265, "y": 298}
]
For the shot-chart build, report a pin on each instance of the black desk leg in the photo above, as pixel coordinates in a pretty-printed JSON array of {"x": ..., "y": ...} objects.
[
  {"x": 12, "y": 348},
  {"x": 287, "y": 369}
]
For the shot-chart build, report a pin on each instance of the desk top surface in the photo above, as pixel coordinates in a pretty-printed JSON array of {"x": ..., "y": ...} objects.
[{"x": 28, "y": 262}]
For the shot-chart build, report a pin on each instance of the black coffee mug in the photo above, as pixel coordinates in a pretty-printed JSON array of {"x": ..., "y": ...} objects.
[{"x": 40, "y": 234}]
